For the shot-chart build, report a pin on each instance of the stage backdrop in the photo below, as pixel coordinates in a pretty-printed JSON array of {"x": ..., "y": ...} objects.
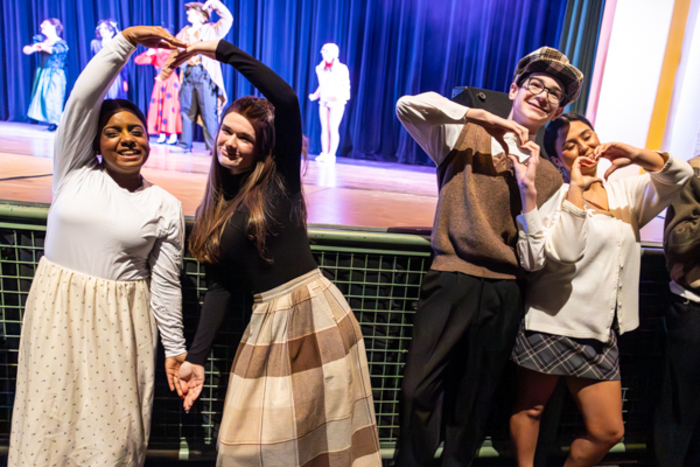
[{"x": 392, "y": 48}]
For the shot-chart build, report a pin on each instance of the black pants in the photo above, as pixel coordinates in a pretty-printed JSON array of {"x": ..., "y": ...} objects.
[
  {"x": 463, "y": 334},
  {"x": 677, "y": 424}
]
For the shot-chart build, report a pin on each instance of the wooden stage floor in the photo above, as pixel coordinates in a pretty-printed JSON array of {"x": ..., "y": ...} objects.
[
  {"x": 355, "y": 194},
  {"x": 351, "y": 193}
]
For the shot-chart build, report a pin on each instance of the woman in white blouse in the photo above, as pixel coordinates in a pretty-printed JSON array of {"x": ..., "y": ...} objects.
[
  {"x": 108, "y": 281},
  {"x": 582, "y": 248}
]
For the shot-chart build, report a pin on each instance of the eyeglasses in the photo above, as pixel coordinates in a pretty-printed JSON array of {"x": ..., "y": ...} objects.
[{"x": 536, "y": 87}]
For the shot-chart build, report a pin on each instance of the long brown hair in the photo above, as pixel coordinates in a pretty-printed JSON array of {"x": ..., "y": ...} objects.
[{"x": 254, "y": 193}]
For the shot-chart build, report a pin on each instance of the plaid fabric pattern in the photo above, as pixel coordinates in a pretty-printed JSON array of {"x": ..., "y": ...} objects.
[
  {"x": 299, "y": 393},
  {"x": 553, "y": 63},
  {"x": 567, "y": 356}
]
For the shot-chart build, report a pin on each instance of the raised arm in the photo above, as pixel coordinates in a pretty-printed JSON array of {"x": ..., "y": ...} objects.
[
  {"x": 434, "y": 121},
  {"x": 557, "y": 230},
  {"x": 649, "y": 194},
  {"x": 78, "y": 126},
  {"x": 223, "y": 26},
  {"x": 288, "y": 135}
]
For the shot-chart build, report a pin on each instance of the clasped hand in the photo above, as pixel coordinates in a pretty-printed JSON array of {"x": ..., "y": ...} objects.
[
  {"x": 621, "y": 155},
  {"x": 153, "y": 37},
  {"x": 180, "y": 56},
  {"x": 191, "y": 378}
]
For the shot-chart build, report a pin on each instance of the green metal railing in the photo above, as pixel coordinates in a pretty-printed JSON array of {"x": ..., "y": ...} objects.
[{"x": 379, "y": 274}]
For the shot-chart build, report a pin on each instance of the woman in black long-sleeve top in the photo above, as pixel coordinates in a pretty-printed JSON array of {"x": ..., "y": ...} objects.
[{"x": 299, "y": 389}]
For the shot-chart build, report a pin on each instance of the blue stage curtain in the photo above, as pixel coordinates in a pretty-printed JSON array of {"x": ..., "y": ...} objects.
[
  {"x": 392, "y": 48},
  {"x": 579, "y": 41}
]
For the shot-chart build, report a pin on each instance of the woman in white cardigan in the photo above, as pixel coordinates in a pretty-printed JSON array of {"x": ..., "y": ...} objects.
[{"x": 583, "y": 251}]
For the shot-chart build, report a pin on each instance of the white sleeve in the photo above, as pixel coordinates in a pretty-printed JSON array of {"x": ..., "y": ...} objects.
[
  {"x": 345, "y": 84},
  {"x": 78, "y": 127},
  {"x": 434, "y": 121},
  {"x": 651, "y": 193},
  {"x": 223, "y": 26},
  {"x": 556, "y": 231},
  {"x": 165, "y": 262}
]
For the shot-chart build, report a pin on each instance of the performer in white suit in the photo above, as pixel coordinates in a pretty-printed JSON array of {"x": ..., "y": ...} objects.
[{"x": 333, "y": 93}]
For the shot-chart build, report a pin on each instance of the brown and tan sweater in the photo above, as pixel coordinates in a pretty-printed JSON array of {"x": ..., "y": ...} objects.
[
  {"x": 682, "y": 234},
  {"x": 475, "y": 231}
]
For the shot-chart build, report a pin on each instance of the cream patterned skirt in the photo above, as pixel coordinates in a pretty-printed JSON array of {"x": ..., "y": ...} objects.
[
  {"x": 86, "y": 370},
  {"x": 299, "y": 392}
]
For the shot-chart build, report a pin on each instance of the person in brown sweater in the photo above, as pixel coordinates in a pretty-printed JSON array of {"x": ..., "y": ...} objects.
[
  {"x": 470, "y": 303},
  {"x": 677, "y": 423}
]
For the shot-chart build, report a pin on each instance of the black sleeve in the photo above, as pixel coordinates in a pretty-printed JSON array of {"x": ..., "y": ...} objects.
[
  {"x": 288, "y": 135},
  {"x": 216, "y": 303}
]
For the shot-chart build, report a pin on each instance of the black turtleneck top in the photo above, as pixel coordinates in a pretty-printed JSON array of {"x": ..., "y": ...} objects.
[{"x": 288, "y": 246}]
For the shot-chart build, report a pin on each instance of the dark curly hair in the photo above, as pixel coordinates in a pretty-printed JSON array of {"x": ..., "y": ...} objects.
[{"x": 552, "y": 132}]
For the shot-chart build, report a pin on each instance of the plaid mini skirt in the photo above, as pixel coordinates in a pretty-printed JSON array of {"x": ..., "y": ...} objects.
[
  {"x": 299, "y": 392},
  {"x": 552, "y": 354}
]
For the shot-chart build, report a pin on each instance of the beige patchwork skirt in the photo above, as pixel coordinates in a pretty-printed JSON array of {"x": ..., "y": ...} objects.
[
  {"x": 85, "y": 373},
  {"x": 299, "y": 392}
]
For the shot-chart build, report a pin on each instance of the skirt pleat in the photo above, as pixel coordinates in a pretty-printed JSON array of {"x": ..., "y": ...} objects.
[
  {"x": 85, "y": 373},
  {"x": 299, "y": 392}
]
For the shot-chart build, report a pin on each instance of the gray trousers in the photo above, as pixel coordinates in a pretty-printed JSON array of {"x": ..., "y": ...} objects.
[{"x": 198, "y": 97}]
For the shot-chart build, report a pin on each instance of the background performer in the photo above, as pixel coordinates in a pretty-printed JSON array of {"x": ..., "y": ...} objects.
[
  {"x": 49, "y": 87},
  {"x": 332, "y": 94},
  {"x": 202, "y": 90},
  {"x": 105, "y": 31},
  {"x": 164, "y": 108}
]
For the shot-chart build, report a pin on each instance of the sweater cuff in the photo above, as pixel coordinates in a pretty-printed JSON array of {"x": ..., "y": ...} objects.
[
  {"x": 668, "y": 163},
  {"x": 121, "y": 46},
  {"x": 197, "y": 356},
  {"x": 173, "y": 349},
  {"x": 530, "y": 222}
]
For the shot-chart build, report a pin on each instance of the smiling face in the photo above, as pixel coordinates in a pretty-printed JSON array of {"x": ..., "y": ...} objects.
[
  {"x": 530, "y": 110},
  {"x": 236, "y": 147},
  {"x": 579, "y": 141},
  {"x": 124, "y": 144}
]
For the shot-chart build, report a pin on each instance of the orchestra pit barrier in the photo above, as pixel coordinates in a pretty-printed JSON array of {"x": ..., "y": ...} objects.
[{"x": 380, "y": 274}]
